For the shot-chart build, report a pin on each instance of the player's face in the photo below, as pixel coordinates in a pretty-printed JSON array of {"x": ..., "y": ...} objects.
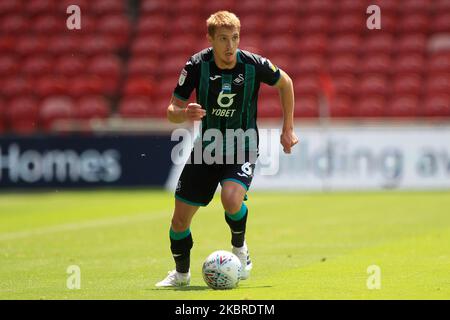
[{"x": 225, "y": 43}]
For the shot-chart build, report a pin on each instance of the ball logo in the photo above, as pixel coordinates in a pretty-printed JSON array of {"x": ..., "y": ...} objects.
[{"x": 225, "y": 100}]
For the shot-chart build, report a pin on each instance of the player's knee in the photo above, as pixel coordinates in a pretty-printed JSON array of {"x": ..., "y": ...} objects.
[{"x": 232, "y": 202}]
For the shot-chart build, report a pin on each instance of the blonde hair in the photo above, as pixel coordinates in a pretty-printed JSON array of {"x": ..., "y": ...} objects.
[{"x": 222, "y": 19}]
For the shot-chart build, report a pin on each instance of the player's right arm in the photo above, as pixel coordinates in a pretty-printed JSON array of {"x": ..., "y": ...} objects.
[{"x": 180, "y": 111}]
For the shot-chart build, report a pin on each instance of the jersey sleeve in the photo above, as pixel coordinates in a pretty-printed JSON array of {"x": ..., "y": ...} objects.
[
  {"x": 187, "y": 81},
  {"x": 267, "y": 72}
]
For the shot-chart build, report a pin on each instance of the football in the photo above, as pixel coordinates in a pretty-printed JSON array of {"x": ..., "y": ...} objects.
[{"x": 221, "y": 270}]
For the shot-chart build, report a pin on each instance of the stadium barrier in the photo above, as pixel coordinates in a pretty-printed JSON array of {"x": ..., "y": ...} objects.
[{"x": 84, "y": 161}]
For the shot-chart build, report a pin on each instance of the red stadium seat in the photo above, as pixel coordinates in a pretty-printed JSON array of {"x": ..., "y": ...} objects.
[
  {"x": 14, "y": 24},
  {"x": 267, "y": 92},
  {"x": 373, "y": 85},
  {"x": 92, "y": 107},
  {"x": 147, "y": 45},
  {"x": 83, "y": 85},
  {"x": 316, "y": 43},
  {"x": 152, "y": 6},
  {"x": 51, "y": 85},
  {"x": 178, "y": 8},
  {"x": 8, "y": 7},
  {"x": 439, "y": 62},
  {"x": 8, "y": 65},
  {"x": 311, "y": 63},
  {"x": 379, "y": 43},
  {"x": 16, "y": 86},
  {"x": 411, "y": 43},
  {"x": 188, "y": 25},
  {"x": 93, "y": 45},
  {"x": 387, "y": 6},
  {"x": 22, "y": 115},
  {"x": 376, "y": 63},
  {"x": 136, "y": 107},
  {"x": 33, "y": 8},
  {"x": 252, "y": 24},
  {"x": 209, "y": 7},
  {"x": 407, "y": 84},
  {"x": 30, "y": 45},
  {"x": 54, "y": 109},
  {"x": 37, "y": 66},
  {"x": 143, "y": 66},
  {"x": 63, "y": 4},
  {"x": 172, "y": 65},
  {"x": 418, "y": 22},
  {"x": 345, "y": 44},
  {"x": 246, "y": 7},
  {"x": 307, "y": 107},
  {"x": 183, "y": 44},
  {"x": 251, "y": 43},
  {"x": 409, "y": 63},
  {"x": 437, "y": 105},
  {"x": 441, "y": 23},
  {"x": 352, "y": 6},
  {"x": 102, "y": 7},
  {"x": 438, "y": 83},
  {"x": 282, "y": 61},
  {"x": 279, "y": 45},
  {"x": 140, "y": 86},
  {"x": 67, "y": 44},
  {"x": 70, "y": 65},
  {"x": 152, "y": 25},
  {"x": 341, "y": 107},
  {"x": 269, "y": 107},
  {"x": 282, "y": 25},
  {"x": 279, "y": 8},
  {"x": 344, "y": 84},
  {"x": 166, "y": 86},
  {"x": 7, "y": 44},
  {"x": 417, "y": 6},
  {"x": 370, "y": 106},
  {"x": 389, "y": 23},
  {"x": 307, "y": 85},
  {"x": 317, "y": 23},
  {"x": 344, "y": 63},
  {"x": 116, "y": 25},
  {"x": 441, "y": 6},
  {"x": 105, "y": 65},
  {"x": 48, "y": 24},
  {"x": 314, "y": 7},
  {"x": 349, "y": 23},
  {"x": 403, "y": 106}
]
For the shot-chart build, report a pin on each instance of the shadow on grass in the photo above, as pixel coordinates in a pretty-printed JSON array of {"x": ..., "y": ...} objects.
[{"x": 202, "y": 288}]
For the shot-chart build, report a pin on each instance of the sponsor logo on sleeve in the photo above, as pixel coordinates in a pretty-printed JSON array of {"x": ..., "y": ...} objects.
[{"x": 182, "y": 77}]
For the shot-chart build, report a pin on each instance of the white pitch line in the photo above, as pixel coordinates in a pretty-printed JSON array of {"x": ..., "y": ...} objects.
[{"x": 149, "y": 216}]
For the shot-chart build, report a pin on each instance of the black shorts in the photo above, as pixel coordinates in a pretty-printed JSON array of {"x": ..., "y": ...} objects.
[{"x": 198, "y": 182}]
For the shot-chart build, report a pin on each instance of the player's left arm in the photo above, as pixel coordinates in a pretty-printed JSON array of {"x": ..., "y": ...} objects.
[{"x": 285, "y": 87}]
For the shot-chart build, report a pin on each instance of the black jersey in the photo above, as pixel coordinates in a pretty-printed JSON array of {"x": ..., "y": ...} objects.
[{"x": 229, "y": 96}]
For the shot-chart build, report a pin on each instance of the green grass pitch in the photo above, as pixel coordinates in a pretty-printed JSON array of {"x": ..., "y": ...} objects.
[{"x": 303, "y": 246}]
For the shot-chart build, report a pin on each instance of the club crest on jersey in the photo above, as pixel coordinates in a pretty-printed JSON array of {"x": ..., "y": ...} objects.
[
  {"x": 239, "y": 80},
  {"x": 182, "y": 78}
]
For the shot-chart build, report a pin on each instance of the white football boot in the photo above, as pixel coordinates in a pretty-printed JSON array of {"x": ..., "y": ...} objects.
[
  {"x": 242, "y": 254},
  {"x": 175, "y": 279}
]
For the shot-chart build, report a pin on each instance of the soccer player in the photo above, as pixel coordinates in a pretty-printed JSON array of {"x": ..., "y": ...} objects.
[{"x": 227, "y": 81}]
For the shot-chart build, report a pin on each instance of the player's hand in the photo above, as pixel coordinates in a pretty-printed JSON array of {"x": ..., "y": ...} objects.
[
  {"x": 288, "y": 139},
  {"x": 194, "y": 112}
]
